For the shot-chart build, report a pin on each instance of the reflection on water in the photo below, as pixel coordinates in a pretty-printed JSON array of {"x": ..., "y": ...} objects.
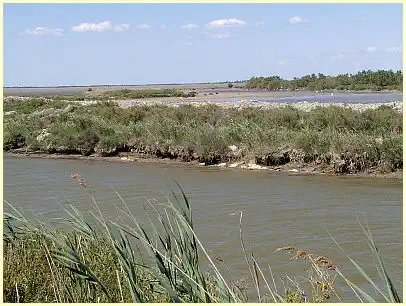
[{"x": 278, "y": 209}]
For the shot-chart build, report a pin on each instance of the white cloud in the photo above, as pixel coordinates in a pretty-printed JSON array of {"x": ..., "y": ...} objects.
[
  {"x": 283, "y": 61},
  {"x": 297, "y": 19},
  {"x": 96, "y": 27},
  {"x": 121, "y": 27},
  {"x": 163, "y": 26},
  {"x": 42, "y": 31},
  {"x": 259, "y": 23},
  {"x": 225, "y": 23},
  {"x": 143, "y": 26},
  {"x": 394, "y": 49},
  {"x": 190, "y": 26},
  {"x": 371, "y": 49}
]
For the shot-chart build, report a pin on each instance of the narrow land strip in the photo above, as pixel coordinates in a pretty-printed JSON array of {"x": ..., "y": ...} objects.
[{"x": 303, "y": 138}]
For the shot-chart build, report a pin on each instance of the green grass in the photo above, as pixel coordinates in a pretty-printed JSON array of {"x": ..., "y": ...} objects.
[
  {"x": 33, "y": 104},
  {"x": 141, "y": 94},
  {"x": 341, "y": 139},
  {"x": 101, "y": 260}
]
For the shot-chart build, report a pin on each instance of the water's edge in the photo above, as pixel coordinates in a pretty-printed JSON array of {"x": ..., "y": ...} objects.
[{"x": 296, "y": 170}]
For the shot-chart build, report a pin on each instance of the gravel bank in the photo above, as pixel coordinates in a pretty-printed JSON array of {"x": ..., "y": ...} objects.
[
  {"x": 244, "y": 103},
  {"x": 306, "y": 106}
]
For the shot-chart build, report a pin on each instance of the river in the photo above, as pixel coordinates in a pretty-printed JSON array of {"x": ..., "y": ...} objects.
[{"x": 278, "y": 209}]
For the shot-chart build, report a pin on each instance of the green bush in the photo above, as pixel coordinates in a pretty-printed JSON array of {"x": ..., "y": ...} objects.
[{"x": 363, "y": 80}]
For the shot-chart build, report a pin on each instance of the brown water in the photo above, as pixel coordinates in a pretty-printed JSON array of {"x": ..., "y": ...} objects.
[{"x": 278, "y": 209}]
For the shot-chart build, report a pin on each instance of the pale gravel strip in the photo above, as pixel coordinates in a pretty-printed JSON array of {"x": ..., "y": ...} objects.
[
  {"x": 306, "y": 106},
  {"x": 175, "y": 102}
]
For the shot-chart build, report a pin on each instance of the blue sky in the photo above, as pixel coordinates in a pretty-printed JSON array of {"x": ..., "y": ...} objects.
[{"x": 84, "y": 44}]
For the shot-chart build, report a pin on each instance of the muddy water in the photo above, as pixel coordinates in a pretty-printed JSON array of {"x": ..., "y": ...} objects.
[{"x": 278, "y": 209}]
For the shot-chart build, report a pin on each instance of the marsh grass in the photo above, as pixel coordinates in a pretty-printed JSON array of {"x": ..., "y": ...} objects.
[
  {"x": 344, "y": 140},
  {"x": 33, "y": 104},
  {"x": 101, "y": 260},
  {"x": 141, "y": 94}
]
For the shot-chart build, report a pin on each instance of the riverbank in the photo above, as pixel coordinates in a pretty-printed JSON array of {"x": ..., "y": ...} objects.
[
  {"x": 302, "y": 138},
  {"x": 296, "y": 170}
]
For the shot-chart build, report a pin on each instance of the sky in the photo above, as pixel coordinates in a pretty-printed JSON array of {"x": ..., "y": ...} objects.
[{"x": 95, "y": 44}]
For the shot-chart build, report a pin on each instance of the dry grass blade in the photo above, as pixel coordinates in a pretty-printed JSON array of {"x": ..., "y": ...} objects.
[
  {"x": 245, "y": 255},
  {"x": 256, "y": 279},
  {"x": 286, "y": 248}
]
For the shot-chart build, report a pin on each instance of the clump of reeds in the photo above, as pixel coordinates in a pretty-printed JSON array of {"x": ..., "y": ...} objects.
[
  {"x": 322, "y": 282},
  {"x": 321, "y": 261},
  {"x": 325, "y": 281},
  {"x": 79, "y": 179}
]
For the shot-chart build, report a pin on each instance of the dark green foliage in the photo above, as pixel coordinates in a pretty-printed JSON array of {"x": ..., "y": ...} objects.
[
  {"x": 363, "y": 80},
  {"x": 31, "y": 105},
  {"x": 144, "y": 93}
]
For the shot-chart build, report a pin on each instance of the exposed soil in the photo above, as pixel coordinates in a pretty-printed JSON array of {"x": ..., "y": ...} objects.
[{"x": 288, "y": 168}]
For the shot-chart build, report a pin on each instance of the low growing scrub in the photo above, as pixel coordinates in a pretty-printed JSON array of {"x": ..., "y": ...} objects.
[
  {"x": 144, "y": 93},
  {"x": 369, "y": 140}
]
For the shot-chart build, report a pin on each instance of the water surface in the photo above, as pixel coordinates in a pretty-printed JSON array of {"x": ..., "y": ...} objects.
[
  {"x": 293, "y": 97},
  {"x": 278, "y": 209}
]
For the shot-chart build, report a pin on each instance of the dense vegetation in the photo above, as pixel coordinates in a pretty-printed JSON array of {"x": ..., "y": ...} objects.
[
  {"x": 337, "y": 139},
  {"x": 100, "y": 260},
  {"x": 124, "y": 94},
  {"x": 363, "y": 80},
  {"x": 143, "y": 93}
]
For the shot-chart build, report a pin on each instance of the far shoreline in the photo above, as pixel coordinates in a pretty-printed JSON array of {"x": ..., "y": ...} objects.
[{"x": 221, "y": 90}]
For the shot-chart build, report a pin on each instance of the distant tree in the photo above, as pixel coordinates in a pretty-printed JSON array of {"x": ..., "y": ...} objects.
[
  {"x": 363, "y": 80},
  {"x": 230, "y": 85}
]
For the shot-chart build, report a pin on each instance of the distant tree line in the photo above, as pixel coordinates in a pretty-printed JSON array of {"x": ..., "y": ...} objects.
[{"x": 363, "y": 80}]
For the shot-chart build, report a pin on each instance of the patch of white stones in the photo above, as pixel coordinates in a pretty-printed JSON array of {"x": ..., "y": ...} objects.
[
  {"x": 251, "y": 165},
  {"x": 306, "y": 106}
]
